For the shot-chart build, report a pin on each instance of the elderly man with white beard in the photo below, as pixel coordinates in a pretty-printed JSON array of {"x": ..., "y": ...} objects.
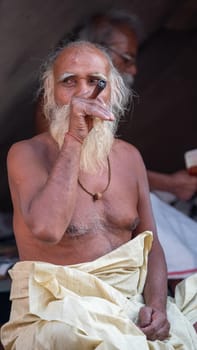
[
  {"x": 92, "y": 273},
  {"x": 119, "y": 32}
]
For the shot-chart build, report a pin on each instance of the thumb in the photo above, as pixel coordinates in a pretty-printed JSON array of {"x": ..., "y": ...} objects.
[{"x": 145, "y": 316}]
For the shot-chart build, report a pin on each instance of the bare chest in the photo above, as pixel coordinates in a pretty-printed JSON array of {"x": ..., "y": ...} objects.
[{"x": 115, "y": 212}]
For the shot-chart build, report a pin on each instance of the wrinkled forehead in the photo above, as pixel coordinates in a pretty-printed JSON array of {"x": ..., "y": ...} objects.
[{"x": 84, "y": 57}]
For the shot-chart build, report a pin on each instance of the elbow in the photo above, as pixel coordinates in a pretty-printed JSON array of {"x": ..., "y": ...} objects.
[
  {"x": 46, "y": 233},
  {"x": 45, "y": 227}
]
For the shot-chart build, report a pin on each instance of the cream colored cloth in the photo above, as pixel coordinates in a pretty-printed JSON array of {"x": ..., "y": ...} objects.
[
  {"x": 93, "y": 305},
  {"x": 177, "y": 234}
]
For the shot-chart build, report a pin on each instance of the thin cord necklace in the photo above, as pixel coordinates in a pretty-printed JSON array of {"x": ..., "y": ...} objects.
[{"x": 98, "y": 195}]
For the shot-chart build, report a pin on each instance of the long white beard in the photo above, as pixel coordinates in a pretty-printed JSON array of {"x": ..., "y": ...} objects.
[{"x": 96, "y": 146}]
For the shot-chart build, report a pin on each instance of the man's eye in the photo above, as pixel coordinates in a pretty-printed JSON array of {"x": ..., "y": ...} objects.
[
  {"x": 69, "y": 81},
  {"x": 93, "y": 81}
]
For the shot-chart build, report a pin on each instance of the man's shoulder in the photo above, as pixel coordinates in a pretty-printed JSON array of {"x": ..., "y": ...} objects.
[
  {"x": 127, "y": 154},
  {"x": 31, "y": 147},
  {"x": 123, "y": 146},
  {"x": 126, "y": 159},
  {"x": 30, "y": 144}
]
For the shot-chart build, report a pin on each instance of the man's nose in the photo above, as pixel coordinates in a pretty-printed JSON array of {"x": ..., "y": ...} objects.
[{"x": 82, "y": 88}]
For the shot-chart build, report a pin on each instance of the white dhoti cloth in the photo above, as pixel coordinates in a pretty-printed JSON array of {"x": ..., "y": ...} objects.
[
  {"x": 93, "y": 305},
  {"x": 178, "y": 236}
]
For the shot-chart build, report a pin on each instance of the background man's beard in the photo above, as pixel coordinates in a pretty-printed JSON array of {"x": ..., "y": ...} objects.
[
  {"x": 96, "y": 146},
  {"x": 128, "y": 79}
]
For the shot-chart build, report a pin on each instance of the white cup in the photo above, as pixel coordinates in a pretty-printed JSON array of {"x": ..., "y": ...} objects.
[{"x": 191, "y": 161}]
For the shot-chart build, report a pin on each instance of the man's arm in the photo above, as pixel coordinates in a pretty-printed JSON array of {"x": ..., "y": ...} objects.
[
  {"x": 45, "y": 201},
  {"x": 180, "y": 183},
  {"x": 152, "y": 318},
  {"x": 45, "y": 197}
]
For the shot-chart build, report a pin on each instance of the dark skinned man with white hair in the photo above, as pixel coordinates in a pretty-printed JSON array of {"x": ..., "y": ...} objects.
[{"x": 92, "y": 273}]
